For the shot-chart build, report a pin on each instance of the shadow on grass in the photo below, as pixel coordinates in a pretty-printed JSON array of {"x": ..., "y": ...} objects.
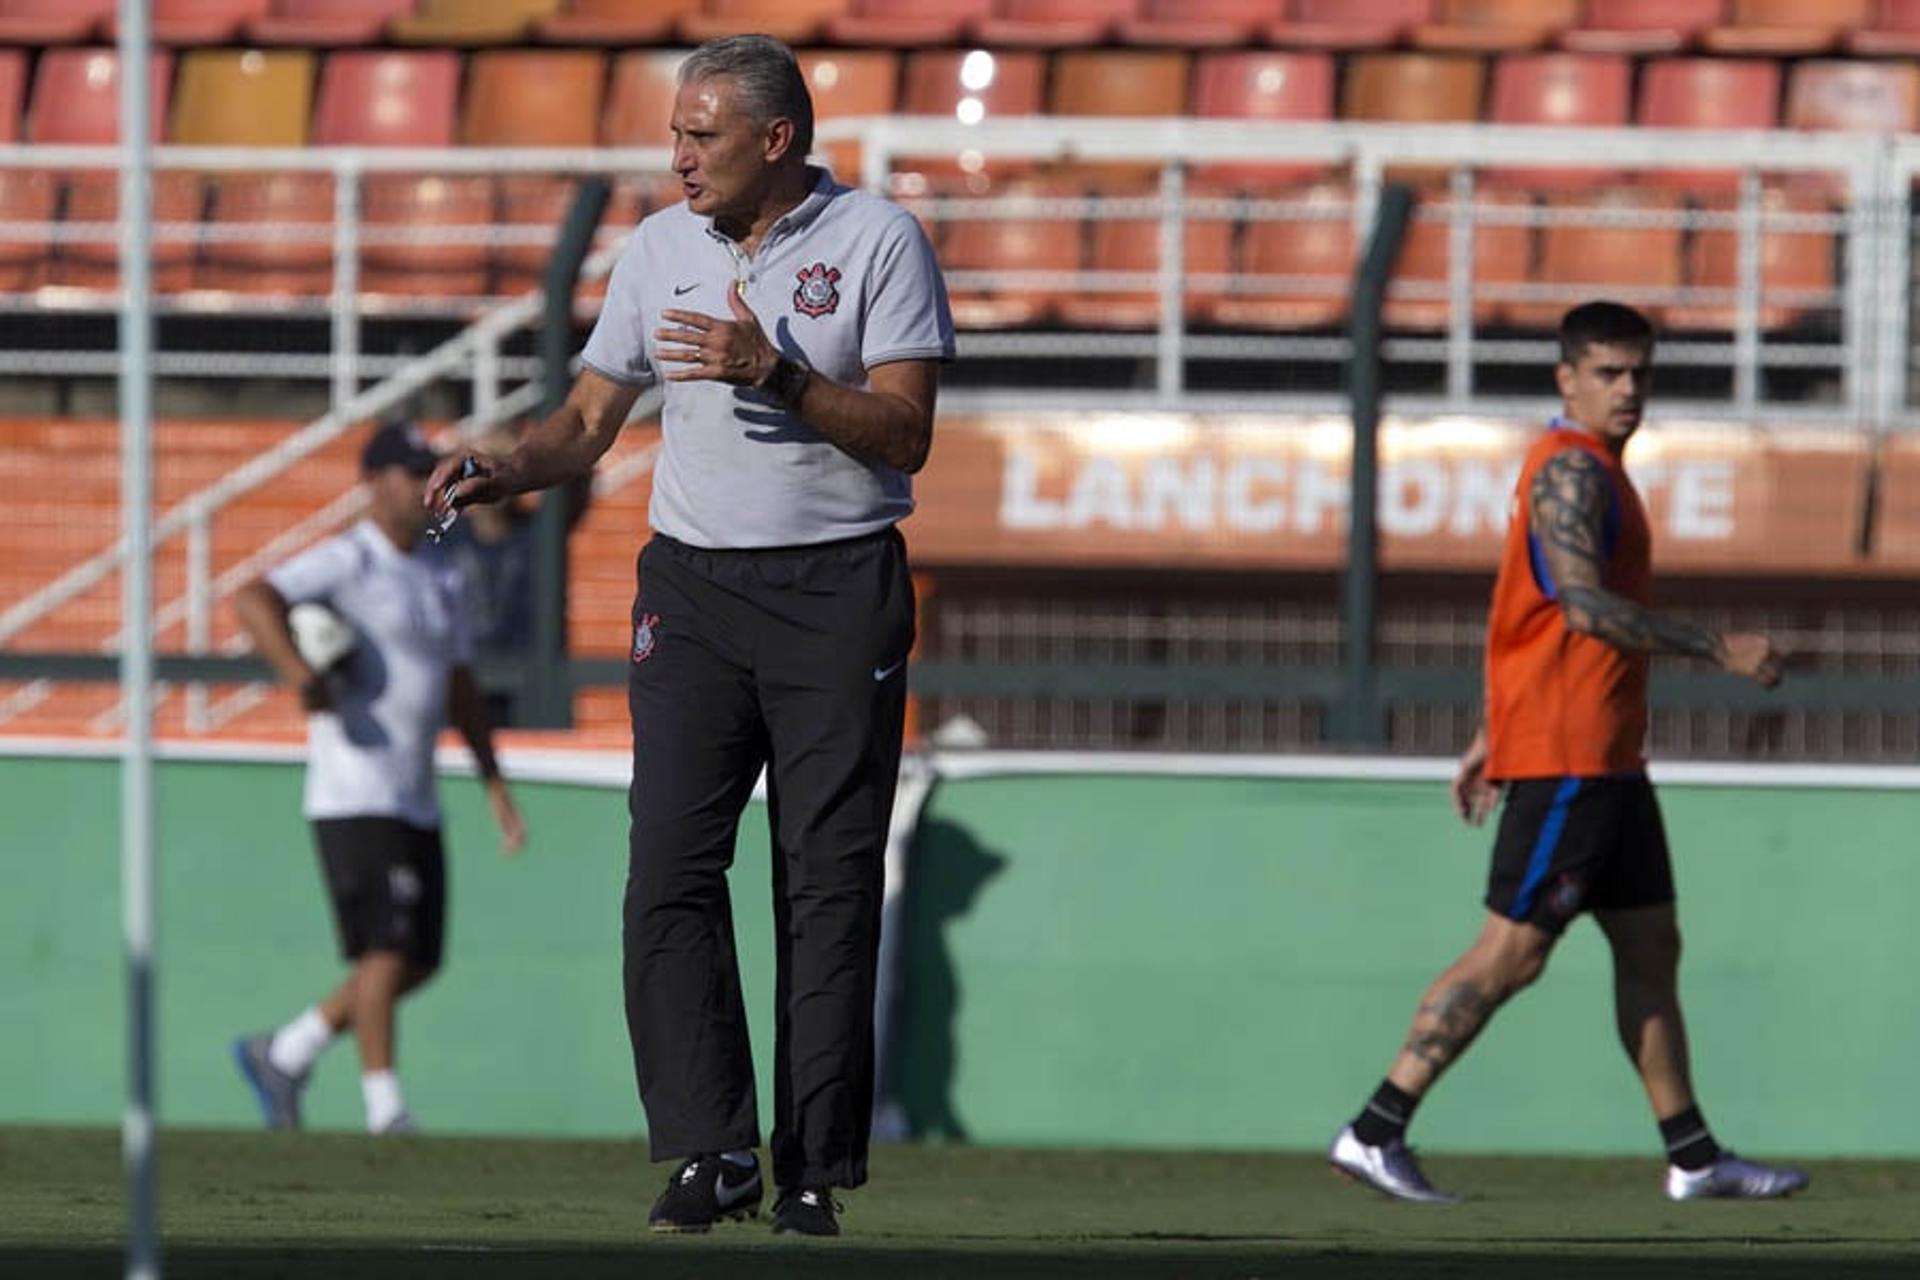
[{"x": 813, "y": 1260}]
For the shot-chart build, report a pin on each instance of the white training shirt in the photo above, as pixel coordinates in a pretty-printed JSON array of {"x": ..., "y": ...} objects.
[
  {"x": 372, "y": 755},
  {"x": 842, "y": 282}
]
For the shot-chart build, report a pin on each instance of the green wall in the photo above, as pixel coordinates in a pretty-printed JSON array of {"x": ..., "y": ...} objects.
[{"x": 1091, "y": 961}]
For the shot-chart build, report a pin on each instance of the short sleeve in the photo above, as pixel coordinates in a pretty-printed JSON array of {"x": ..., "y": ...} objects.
[
  {"x": 617, "y": 347},
  {"x": 907, "y": 315},
  {"x": 317, "y": 572}
]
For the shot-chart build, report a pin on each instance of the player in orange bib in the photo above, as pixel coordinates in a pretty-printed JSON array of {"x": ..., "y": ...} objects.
[{"x": 1568, "y": 641}]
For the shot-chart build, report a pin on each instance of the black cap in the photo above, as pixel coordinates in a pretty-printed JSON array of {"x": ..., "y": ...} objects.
[{"x": 399, "y": 444}]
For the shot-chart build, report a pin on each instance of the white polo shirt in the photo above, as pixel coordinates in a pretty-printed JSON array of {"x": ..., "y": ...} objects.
[
  {"x": 843, "y": 282},
  {"x": 372, "y": 755}
]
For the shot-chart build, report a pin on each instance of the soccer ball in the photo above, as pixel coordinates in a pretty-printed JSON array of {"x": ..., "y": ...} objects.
[{"x": 322, "y": 636}]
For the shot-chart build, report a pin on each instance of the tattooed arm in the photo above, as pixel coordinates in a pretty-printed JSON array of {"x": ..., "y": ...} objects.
[{"x": 1567, "y": 513}]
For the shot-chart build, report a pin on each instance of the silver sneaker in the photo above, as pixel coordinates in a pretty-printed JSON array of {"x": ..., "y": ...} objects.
[
  {"x": 401, "y": 1123},
  {"x": 1730, "y": 1177},
  {"x": 1390, "y": 1168},
  {"x": 277, "y": 1091}
]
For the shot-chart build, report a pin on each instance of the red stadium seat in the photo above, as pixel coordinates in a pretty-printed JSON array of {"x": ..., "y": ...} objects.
[
  {"x": 906, "y": 23},
  {"x": 1348, "y": 24},
  {"x": 524, "y": 98},
  {"x": 1054, "y": 24},
  {"x": 1004, "y": 246},
  {"x": 325, "y": 22},
  {"x": 381, "y": 98},
  {"x": 621, "y": 22},
  {"x": 1312, "y": 256},
  {"x": 1858, "y": 97},
  {"x": 277, "y": 202},
  {"x": 182, "y": 22},
  {"x": 1796, "y": 261},
  {"x": 848, "y": 83},
  {"x": 1502, "y": 257},
  {"x": 1492, "y": 26},
  {"x": 970, "y": 85},
  {"x": 421, "y": 261},
  {"x": 76, "y": 97},
  {"x": 1707, "y": 93},
  {"x": 1788, "y": 28},
  {"x": 1895, "y": 31},
  {"x": 1635, "y": 263},
  {"x": 13, "y": 93},
  {"x": 1559, "y": 89},
  {"x": 794, "y": 21},
  {"x": 38, "y": 22},
  {"x": 1197, "y": 24},
  {"x": 26, "y": 197},
  {"x": 1133, "y": 245},
  {"x": 640, "y": 98},
  {"x": 1642, "y": 26},
  {"x": 1278, "y": 85}
]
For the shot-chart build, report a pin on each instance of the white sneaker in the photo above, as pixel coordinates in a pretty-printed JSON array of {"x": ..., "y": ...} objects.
[
  {"x": 1733, "y": 1178},
  {"x": 401, "y": 1123},
  {"x": 1390, "y": 1168}
]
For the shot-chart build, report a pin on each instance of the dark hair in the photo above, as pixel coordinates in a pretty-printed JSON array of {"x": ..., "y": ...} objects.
[
  {"x": 767, "y": 77},
  {"x": 1611, "y": 323}
]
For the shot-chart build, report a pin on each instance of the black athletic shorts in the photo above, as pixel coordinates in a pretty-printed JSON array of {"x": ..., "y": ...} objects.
[
  {"x": 1567, "y": 845},
  {"x": 388, "y": 881}
]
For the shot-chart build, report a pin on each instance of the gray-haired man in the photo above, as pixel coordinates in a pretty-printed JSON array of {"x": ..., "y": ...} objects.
[{"x": 798, "y": 326}]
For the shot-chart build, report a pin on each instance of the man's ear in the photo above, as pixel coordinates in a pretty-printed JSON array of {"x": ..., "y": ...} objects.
[
  {"x": 1563, "y": 379},
  {"x": 779, "y": 139}
]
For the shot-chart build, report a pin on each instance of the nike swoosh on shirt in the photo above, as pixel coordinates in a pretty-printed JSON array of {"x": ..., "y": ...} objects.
[
  {"x": 682, "y": 289},
  {"x": 881, "y": 673}
]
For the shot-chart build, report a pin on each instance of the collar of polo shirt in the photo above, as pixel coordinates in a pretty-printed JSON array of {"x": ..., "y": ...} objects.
[{"x": 795, "y": 219}]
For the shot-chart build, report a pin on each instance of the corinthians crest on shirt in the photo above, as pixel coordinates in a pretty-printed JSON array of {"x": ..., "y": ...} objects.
[
  {"x": 646, "y": 631},
  {"x": 818, "y": 293}
]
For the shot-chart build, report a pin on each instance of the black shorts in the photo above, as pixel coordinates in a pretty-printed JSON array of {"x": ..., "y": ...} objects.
[
  {"x": 388, "y": 881},
  {"x": 1567, "y": 845}
]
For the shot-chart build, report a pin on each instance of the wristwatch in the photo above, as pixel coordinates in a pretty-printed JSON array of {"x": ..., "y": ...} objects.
[{"x": 787, "y": 381}]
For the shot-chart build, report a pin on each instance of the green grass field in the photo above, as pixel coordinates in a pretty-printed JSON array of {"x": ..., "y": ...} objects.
[{"x": 309, "y": 1206}]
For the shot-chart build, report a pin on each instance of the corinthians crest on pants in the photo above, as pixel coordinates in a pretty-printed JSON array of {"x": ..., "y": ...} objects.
[
  {"x": 817, "y": 294},
  {"x": 645, "y": 632}
]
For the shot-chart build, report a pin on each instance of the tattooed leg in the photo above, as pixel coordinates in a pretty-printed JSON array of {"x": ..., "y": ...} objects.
[{"x": 1505, "y": 958}]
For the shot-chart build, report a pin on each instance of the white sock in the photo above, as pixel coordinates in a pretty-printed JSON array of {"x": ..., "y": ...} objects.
[
  {"x": 381, "y": 1089},
  {"x": 296, "y": 1045},
  {"x": 743, "y": 1158}
]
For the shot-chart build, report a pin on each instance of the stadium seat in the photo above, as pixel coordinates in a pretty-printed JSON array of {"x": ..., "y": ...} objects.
[
  {"x": 1277, "y": 85},
  {"x": 1348, "y": 24},
  {"x": 388, "y": 98},
  {"x": 470, "y": 22},
  {"x": 1132, "y": 82},
  {"x": 13, "y": 93},
  {"x": 1491, "y": 26},
  {"x": 621, "y": 22},
  {"x": 1413, "y": 88},
  {"x": 1502, "y": 257},
  {"x": 94, "y": 198},
  {"x": 969, "y": 85},
  {"x": 1197, "y": 24},
  {"x": 1787, "y": 28},
  {"x": 1003, "y": 246},
  {"x": 1894, "y": 32},
  {"x": 1559, "y": 89},
  {"x": 306, "y": 23},
  {"x": 185, "y": 22},
  {"x": 1707, "y": 93},
  {"x": 794, "y": 21},
  {"x": 1800, "y": 262},
  {"x": 640, "y": 97},
  {"x": 76, "y": 97},
  {"x": 42, "y": 22},
  {"x": 906, "y": 23},
  {"x": 1054, "y": 24},
  {"x": 1635, "y": 263},
  {"x": 26, "y": 257},
  {"x": 419, "y": 259},
  {"x": 242, "y": 98},
  {"x": 281, "y": 202},
  {"x": 848, "y": 83},
  {"x": 1858, "y": 97},
  {"x": 1642, "y": 26},
  {"x": 1133, "y": 244},
  {"x": 1311, "y": 256}
]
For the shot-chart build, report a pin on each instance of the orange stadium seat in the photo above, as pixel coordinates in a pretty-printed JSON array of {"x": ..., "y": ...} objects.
[
  {"x": 615, "y": 21},
  {"x": 1858, "y": 97},
  {"x": 1707, "y": 93},
  {"x": 794, "y": 21},
  {"x": 850, "y": 83},
  {"x": 1502, "y": 256},
  {"x": 904, "y": 23},
  {"x": 1133, "y": 82},
  {"x": 470, "y": 22},
  {"x": 1495, "y": 25},
  {"x": 1054, "y": 24},
  {"x": 1642, "y": 26},
  {"x": 271, "y": 266},
  {"x": 1313, "y": 255},
  {"x": 37, "y": 22},
  {"x": 1196, "y": 24},
  {"x": 13, "y": 93},
  {"x": 1895, "y": 31},
  {"x": 1632, "y": 262},
  {"x": 419, "y": 260},
  {"x": 1348, "y": 24},
  {"x": 1133, "y": 244},
  {"x": 970, "y": 85},
  {"x": 1788, "y": 28},
  {"x": 242, "y": 98},
  {"x": 639, "y": 106},
  {"x": 1006, "y": 245},
  {"x": 325, "y": 22},
  {"x": 203, "y": 21},
  {"x": 1414, "y": 88},
  {"x": 1796, "y": 261},
  {"x": 25, "y": 257},
  {"x": 1278, "y": 85},
  {"x": 1559, "y": 89}
]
